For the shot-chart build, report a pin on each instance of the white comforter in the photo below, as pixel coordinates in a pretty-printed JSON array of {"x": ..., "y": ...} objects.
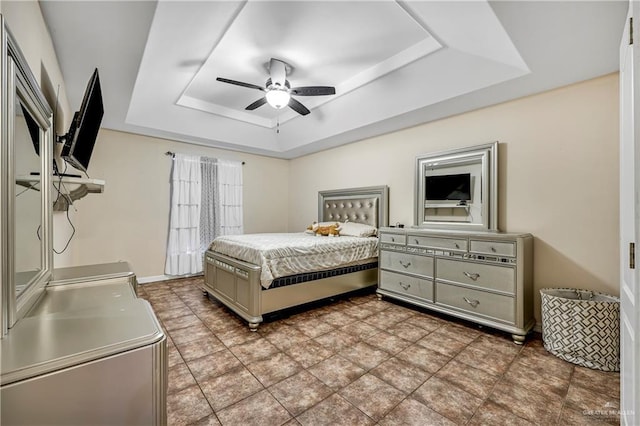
[{"x": 281, "y": 255}]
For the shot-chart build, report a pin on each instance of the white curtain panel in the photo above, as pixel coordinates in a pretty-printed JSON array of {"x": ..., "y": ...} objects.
[
  {"x": 230, "y": 197},
  {"x": 184, "y": 255}
]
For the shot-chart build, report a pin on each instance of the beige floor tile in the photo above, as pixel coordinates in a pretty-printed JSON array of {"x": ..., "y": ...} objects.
[
  {"x": 199, "y": 348},
  {"x": 363, "y": 367},
  {"x": 229, "y": 388},
  {"x": 536, "y": 381},
  {"x": 388, "y": 342},
  {"x": 490, "y": 414},
  {"x": 187, "y": 406},
  {"x": 309, "y": 353},
  {"x": 360, "y": 329},
  {"x": 185, "y": 335},
  {"x": 253, "y": 350},
  {"x": 372, "y": 396},
  {"x": 473, "y": 380},
  {"x": 300, "y": 392},
  {"x": 534, "y": 407},
  {"x": 365, "y": 355},
  {"x": 492, "y": 362},
  {"x": 334, "y": 411},
  {"x": 336, "y": 340},
  {"x": 595, "y": 380},
  {"x": 286, "y": 337},
  {"x": 259, "y": 409},
  {"x": 336, "y": 371},
  {"x": 213, "y": 365},
  {"x": 414, "y": 413},
  {"x": 447, "y": 399},
  {"x": 273, "y": 369},
  {"x": 443, "y": 343},
  {"x": 423, "y": 358},
  {"x": 179, "y": 378},
  {"x": 400, "y": 374}
]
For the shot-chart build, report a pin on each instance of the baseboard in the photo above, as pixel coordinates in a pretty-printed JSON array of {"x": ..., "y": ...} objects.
[
  {"x": 157, "y": 278},
  {"x": 537, "y": 328}
]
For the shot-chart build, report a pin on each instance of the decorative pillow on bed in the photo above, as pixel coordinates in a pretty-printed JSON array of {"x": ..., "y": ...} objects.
[{"x": 357, "y": 229}]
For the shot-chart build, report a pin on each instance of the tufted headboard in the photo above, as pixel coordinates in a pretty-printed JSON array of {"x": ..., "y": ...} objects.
[{"x": 369, "y": 205}]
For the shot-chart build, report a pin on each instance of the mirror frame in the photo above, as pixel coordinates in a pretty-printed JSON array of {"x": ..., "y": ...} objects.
[
  {"x": 486, "y": 156},
  {"x": 19, "y": 83}
]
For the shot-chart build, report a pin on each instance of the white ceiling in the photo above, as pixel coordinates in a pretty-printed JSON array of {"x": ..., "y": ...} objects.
[{"x": 394, "y": 63}]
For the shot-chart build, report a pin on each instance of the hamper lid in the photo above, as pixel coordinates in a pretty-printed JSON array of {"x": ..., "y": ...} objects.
[{"x": 579, "y": 294}]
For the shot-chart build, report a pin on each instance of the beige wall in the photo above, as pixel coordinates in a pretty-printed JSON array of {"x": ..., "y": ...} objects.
[
  {"x": 558, "y": 176},
  {"x": 26, "y": 23},
  {"x": 129, "y": 221}
]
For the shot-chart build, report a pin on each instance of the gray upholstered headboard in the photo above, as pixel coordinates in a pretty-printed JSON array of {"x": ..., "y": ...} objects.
[{"x": 369, "y": 205}]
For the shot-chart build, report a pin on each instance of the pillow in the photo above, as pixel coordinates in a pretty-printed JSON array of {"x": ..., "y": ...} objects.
[{"x": 357, "y": 229}]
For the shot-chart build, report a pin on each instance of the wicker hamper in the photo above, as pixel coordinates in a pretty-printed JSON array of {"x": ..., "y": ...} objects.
[{"x": 582, "y": 327}]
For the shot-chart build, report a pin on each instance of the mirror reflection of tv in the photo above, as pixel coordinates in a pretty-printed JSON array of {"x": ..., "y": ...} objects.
[
  {"x": 34, "y": 129},
  {"x": 81, "y": 138},
  {"x": 448, "y": 187}
]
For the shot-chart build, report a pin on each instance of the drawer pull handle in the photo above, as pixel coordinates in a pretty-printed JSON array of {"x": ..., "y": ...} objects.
[
  {"x": 393, "y": 240},
  {"x": 473, "y": 303},
  {"x": 405, "y": 265},
  {"x": 457, "y": 246},
  {"x": 493, "y": 249},
  {"x": 403, "y": 285},
  {"x": 473, "y": 276},
  {"x": 417, "y": 242}
]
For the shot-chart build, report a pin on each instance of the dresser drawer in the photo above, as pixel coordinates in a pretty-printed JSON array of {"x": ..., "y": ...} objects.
[
  {"x": 404, "y": 284},
  {"x": 476, "y": 302},
  {"x": 403, "y": 262},
  {"x": 393, "y": 238},
  {"x": 501, "y": 278},
  {"x": 498, "y": 248},
  {"x": 437, "y": 242}
]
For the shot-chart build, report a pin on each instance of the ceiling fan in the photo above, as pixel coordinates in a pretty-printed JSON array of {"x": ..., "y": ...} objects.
[{"x": 278, "y": 91}]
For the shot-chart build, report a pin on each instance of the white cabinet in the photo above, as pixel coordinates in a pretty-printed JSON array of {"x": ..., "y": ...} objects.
[{"x": 484, "y": 277}]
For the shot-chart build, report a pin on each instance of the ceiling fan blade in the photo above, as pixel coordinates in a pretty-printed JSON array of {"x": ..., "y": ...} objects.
[
  {"x": 278, "y": 72},
  {"x": 298, "y": 107},
  {"x": 240, "y": 83},
  {"x": 257, "y": 104},
  {"x": 313, "y": 91}
]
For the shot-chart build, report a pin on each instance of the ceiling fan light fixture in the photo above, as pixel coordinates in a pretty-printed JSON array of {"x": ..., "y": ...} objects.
[{"x": 278, "y": 98}]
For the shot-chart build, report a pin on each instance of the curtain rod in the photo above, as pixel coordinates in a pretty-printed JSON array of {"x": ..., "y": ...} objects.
[{"x": 173, "y": 154}]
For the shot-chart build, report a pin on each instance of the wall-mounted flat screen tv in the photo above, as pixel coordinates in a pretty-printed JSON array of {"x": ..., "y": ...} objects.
[
  {"x": 81, "y": 138},
  {"x": 448, "y": 187}
]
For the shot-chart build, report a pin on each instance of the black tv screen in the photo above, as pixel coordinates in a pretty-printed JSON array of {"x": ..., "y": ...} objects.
[
  {"x": 448, "y": 187},
  {"x": 34, "y": 129},
  {"x": 80, "y": 140}
]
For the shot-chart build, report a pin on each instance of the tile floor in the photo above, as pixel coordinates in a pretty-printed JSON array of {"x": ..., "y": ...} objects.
[{"x": 361, "y": 361}]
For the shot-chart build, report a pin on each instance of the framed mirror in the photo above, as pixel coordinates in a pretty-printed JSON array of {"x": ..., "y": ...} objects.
[
  {"x": 458, "y": 189},
  {"x": 26, "y": 162}
]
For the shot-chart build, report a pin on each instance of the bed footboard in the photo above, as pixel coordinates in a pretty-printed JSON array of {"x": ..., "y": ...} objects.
[{"x": 236, "y": 284}]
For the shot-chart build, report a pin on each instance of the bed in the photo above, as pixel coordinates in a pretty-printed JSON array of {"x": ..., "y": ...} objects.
[{"x": 247, "y": 280}]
